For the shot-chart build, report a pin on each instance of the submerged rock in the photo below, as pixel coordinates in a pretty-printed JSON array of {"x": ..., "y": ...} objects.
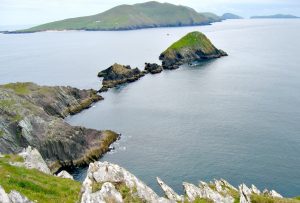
[
  {"x": 65, "y": 174},
  {"x": 195, "y": 46},
  {"x": 118, "y": 74},
  {"x": 153, "y": 68},
  {"x": 32, "y": 115}
]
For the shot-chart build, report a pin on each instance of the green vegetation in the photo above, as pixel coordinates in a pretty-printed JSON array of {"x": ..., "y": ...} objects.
[
  {"x": 19, "y": 88},
  {"x": 265, "y": 199},
  {"x": 193, "y": 40},
  {"x": 1, "y": 133},
  {"x": 96, "y": 186},
  {"x": 36, "y": 185},
  {"x": 124, "y": 17},
  {"x": 128, "y": 195}
]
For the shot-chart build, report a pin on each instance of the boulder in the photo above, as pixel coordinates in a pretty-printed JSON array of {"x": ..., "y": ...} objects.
[
  {"x": 65, "y": 174},
  {"x": 12, "y": 197}
]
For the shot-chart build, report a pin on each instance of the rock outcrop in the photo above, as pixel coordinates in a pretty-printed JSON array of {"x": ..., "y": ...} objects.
[
  {"x": 32, "y": 115},
  {"x": 153, "y": 68},
  {"x": 65, "y": 174},
  {"x": 118, "y": 74},
  {"x": 195, "y": 46},
  {"x": 106, "y": 181},
  {"x": 32, "y": 159},
  {"x": 12, "y": 197},
  {"x": 104, "y": 172}
]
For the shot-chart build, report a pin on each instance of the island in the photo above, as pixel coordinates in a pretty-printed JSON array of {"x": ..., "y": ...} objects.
[
  {"x": 33, "y": 115},
  {"x": 128, "y": 17},
  {"x": 194, "y": 46},
  {"x": 277, "y": 16},
  {"x": 227, "y": 16}
]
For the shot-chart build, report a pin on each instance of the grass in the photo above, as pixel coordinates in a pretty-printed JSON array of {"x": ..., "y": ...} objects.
[
  {"x": 36, "y": 185},
  {"x": 265, "y": 199},
  {"x": 19, "y": 88},
  {"x": 193, "y": 40},
  {"x": 149, "y": 14},
  {"x": 1, "y": 133},
  {"x": 96, "y": 186},
  {"x": 128, "y": 195}
]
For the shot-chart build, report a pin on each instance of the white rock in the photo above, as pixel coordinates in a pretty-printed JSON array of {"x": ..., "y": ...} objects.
[
  {"x": 245, "y": 194},
  {"x": 223, "y": 186},
  {"x": 3, "y": 196},
  {"x": 34, "y": 160},
  {"x": 255, "y": 190},
  {"x": 108, "y": 193},
  {"x": 102, "y": 172},
  {"x": 169, "y": 192},
  {"x": 215, "y": 196},
  {"x": 272, "y": 193},
  {"x": 191, "y": 191},
  {"x": 65, "y": 174},
  {"x": 16, "y": 197},
  {"x": 1, "y": 155}
]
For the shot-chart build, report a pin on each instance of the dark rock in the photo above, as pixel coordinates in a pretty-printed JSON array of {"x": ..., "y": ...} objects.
[
  {"x": 118, "y": 74},
  {"x": 153, "y": 68},
  {"x": 33, "y": 115}
]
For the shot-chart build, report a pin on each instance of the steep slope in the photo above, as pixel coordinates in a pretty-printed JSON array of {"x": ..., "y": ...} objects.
[
  {"x": 194, "y": 46},
  {"x": 32, "y": 115},
  {"x": 126, "y": 17}
]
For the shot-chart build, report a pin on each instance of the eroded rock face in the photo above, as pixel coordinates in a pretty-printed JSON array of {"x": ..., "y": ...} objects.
[
  {"x": 31, "y": 115},
  {"x": 65, "y": 174},
  {"x": 195, "y": 46},
  {"x": 102, "y": 172},
  {"x": 169, "y": 192},
  {"x": 12, "y": 197},
  {"x": 245, "y": 194},
  {"x": 272, "y": 193},
  {"x": 33, "y": 160},
  {"x": 118, "y": 74},
  {"x": 153, "y": 68}
]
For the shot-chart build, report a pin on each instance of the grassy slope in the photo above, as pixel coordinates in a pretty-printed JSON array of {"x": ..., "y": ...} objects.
[
  {"x": 193, "y": 40},
  {"x": 149, "y": 14},
  {"x": 36, "y": 185}
]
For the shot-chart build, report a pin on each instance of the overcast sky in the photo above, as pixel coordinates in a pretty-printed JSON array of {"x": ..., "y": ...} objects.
[{"x": 33, "y": 12}]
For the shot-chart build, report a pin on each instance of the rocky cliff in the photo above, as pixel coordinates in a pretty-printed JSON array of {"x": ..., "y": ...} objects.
[
  {"x": 33, "y": 115},
  {"x": 118, "y": 74},
  {"x": 107, "y": 182},
  {"x": 194, "y": 46}
]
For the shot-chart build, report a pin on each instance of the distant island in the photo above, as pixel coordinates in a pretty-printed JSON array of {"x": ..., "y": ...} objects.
[
  {"x": 137, "y": 16},
  {"x": 277, "y": 16},
  {"x": 227, "y": 16}
]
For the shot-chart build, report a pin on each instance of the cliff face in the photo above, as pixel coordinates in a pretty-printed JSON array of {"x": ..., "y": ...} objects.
[
  {"x": 194, "y": 46},
  {"x": 33, "y": 115}
]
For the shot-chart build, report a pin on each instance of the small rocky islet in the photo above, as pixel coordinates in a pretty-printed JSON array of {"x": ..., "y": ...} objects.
[
  {"x": 194, "y": 46},
  {"x": 32, "y": 115}
]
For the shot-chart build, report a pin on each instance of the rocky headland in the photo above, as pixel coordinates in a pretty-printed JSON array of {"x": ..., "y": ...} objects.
[
  {"x": 153, "y": 68},
  {"x": 33, "y": 115},
  {"x": 118, "y": 74},
  {"x": 194, "y": 46},
  {"x": 106, "y": 182}
]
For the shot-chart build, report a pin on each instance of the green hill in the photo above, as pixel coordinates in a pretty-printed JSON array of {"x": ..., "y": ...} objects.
[
  {"x": 126, "y": 17},
  {"x": 227, "y": 16}
]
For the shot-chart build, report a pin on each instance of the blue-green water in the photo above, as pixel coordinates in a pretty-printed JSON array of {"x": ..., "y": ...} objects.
[{"x": 236, "y": 118}]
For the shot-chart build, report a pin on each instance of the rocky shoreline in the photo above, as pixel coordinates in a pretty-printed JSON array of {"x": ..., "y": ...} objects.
[
  {"x": 33, "y": 115},
  {"x": 106, "y": 182}
]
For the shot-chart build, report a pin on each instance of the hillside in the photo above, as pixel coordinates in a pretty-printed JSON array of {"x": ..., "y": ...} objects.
[
  {"x": 126, "y": 17},
  {"x": 275, "y": 16},
  {"x": 227, "y": 16}
]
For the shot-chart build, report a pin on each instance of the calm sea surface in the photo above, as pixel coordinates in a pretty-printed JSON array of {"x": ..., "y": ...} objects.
[{"x": 236, "y": 118}]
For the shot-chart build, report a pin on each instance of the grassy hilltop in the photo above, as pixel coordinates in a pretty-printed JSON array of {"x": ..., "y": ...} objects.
[{"x": 126, "y": 17}]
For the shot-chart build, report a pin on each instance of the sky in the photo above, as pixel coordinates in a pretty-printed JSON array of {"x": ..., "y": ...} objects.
[{"x": 17, "y": 13}]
